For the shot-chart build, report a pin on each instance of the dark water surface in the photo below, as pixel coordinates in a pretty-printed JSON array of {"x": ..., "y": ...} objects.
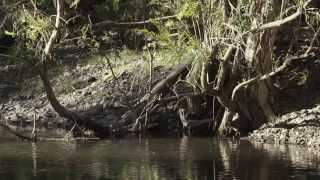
[{"x": 156, "y": 158}]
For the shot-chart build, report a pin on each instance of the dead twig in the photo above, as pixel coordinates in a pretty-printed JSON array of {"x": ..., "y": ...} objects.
[
  {"x": 138, "y": 24},
  {"x": 312, "y": 42},
  {"x": 114, "y": 76},
  {"x": 54, "y": 33}
]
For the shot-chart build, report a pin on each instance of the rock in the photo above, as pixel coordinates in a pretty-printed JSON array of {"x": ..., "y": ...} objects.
[
  {"x": 48, "y": 114},
  {"x": 304, "y": 112},
  {"x": 18, "y": 108},
  {"x": 87, "y": 93},
  {"x": 27, "y": 94},
  {"x": 310, "y": 111},
  {"x": 92, "y": 79},
  {"x": 311, "y": 117},
  {"x": 12, "y": 117},
  {"x": 293, "y": 115},
  {"x": 306, "y": 134},
  {"x": 66, "y": 74}
]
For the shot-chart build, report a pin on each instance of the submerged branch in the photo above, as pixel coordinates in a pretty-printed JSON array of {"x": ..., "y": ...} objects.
[{"x": 8, "y": 129}]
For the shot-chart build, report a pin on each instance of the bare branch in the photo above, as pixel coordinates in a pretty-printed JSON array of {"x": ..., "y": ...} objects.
[
  {"x": 4, "y": 21},
  {"x": 167, "y": 82},
  {"x": 279, "y": 23},
  {"x": 222, "y": 97},
  {"x": 55, "y": 30},
  {"x": 312, "y": 42},
  {"x": 114, "y": 76},
  {"x": 285, "y": 64},
  {"x": 138, "y": 24},
  {"x": 34, "y": 5}
]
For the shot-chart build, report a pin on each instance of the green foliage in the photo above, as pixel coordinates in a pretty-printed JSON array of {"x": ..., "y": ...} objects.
[
  {"x": 240, "y": 17},
  {"x": 115, "y": 4},
  {"x": 188, "y": 9},
  {"x": 301, "y": 77},
  {"x": 66, "y": 85},
  {"x": 33, "y": 30},
  {"x": 123, "y": 10},
  {"x": 34, "y": 26},
  {"x": 12, "y": 34}
]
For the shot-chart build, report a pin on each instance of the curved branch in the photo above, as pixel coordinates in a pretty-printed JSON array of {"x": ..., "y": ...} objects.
[
  {"x": 285, "y": 64},
  {"x": 62, "y": 111},
  {"x": 279, "y": 23},
  {"x": 54, "y": 33}
]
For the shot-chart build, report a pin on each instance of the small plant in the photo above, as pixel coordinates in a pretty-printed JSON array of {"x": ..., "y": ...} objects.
[{"x": 33, "y": 29}]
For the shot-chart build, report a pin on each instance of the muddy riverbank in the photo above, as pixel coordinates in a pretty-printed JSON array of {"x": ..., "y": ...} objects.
[
  {"x": 91, "y": 87},
  {"x": 297, "y": 127}
]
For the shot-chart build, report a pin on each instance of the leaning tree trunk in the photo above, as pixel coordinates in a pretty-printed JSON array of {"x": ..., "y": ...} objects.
[
  {"x": 81, "y": 120},
  {"x": 42, "y": 67},
  {"x": 253, "y": 103}
]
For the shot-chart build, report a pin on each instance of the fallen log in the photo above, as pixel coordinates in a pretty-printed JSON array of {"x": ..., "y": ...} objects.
[
  {"x": 166, "y": 83},
  {"x": 135, "y": 114}
]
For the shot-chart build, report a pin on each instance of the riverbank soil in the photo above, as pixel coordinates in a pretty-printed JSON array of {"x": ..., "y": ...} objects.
[
  {"x": 87, "y": 85},
  {"x": 231, "y": 69}
]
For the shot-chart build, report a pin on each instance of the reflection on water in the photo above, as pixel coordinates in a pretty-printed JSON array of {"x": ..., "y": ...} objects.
[{"x": 167, "y": 158}]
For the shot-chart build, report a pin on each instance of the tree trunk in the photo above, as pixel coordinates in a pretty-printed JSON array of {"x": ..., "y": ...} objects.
[
  {"x": 258, "y": 55},
  {"x": 81, "y": 120},
  {"x": 253, "y": 103},
  {"x": 51, "y": 96}
]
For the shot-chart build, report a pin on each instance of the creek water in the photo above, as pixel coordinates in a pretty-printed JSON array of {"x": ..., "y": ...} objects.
[{"x": 156, "y": 158}]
